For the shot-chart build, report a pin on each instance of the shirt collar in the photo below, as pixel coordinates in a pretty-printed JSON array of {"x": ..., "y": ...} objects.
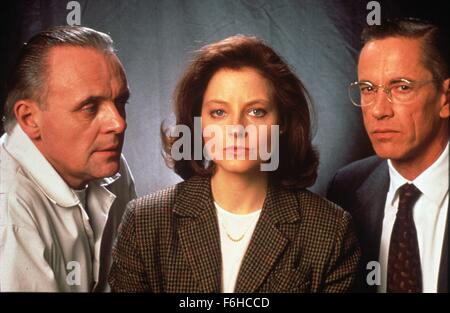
[
  {"x": 81, "y": 194},
  {"x": 433, "y": 182},
  {"x": 20, "y": 146}
]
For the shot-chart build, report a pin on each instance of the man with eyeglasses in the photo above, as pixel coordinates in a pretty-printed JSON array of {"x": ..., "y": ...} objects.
[{"x": 399, "y": 198}]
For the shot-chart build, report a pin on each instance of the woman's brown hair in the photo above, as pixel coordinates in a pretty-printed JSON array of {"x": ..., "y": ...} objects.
[{"x": 298, "y": 159}]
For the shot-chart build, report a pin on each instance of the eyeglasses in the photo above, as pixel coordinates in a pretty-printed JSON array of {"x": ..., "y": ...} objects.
[{"x": 364, "y": 93}]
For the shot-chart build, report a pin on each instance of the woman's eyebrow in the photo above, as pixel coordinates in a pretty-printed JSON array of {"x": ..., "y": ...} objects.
[
  {"x": 216, "y": 101},
  {"x": 253, "y": 101},
  {"x": 259, "y": 100}
]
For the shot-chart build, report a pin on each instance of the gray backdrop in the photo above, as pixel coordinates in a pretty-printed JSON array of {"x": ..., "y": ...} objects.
[{"x": 155, "y": 39}]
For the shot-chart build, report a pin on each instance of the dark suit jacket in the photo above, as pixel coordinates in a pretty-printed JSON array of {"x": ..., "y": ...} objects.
[
  {"x": 169, "y": 242},
  {"x": 361, "y": 188}
]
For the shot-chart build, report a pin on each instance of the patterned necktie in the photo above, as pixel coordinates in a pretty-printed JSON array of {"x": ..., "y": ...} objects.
[{"x": 404, "y": 271}]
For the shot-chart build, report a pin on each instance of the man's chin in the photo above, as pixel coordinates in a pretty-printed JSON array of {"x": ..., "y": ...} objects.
[
  {"x": 107, "y": 170},
  {"x": 387, "y": 151}
]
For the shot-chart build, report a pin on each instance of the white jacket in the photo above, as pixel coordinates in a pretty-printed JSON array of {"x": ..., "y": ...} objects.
[{"x": 46, "y": 240}]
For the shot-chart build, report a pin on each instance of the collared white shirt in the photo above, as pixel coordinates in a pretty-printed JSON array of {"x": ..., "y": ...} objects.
[
  {"x": 240, "y": 227},
  {"x": 47, "y": 240},
  {"x": 430, "y": 216}
]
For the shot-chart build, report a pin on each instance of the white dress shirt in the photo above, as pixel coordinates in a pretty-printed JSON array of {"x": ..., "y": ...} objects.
[
  {"x": 430, "y": 216},
  {"x": 234, "y": 225},
  {"x": 47, "y": 240}
]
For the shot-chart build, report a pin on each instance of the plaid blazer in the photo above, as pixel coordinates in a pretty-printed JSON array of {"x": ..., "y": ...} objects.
[{"x": 169, "y": 242}]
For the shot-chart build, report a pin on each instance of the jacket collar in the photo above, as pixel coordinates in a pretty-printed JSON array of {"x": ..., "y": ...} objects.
[
  {"x": 196, "y": 197},
  {"x": 200, "y": 238},
  {"x": 277, "y": 223},
  {"x": 21, "y": 148}
]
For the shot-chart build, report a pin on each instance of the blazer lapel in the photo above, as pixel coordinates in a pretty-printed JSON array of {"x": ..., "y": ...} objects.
[
  {"x": 198, "y": 233},
  {"x": 371, "y": 197},
  {"x": 268, "y": 241}
]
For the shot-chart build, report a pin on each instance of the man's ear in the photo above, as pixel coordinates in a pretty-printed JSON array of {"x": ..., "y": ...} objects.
[
  {"x": 28, "y": 117},
  {"x": 444, "y": 111}
]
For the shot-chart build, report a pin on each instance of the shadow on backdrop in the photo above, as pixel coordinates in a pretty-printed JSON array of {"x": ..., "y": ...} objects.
[{"x": 155, "y": 40}]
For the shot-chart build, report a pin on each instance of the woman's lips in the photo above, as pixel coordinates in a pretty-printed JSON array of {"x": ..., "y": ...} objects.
[{"x": 236, "y": 150}]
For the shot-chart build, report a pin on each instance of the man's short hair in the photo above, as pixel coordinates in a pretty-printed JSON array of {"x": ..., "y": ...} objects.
[
  {"x": 435, "y": 41},
  {"x": 27, "y": 79}
]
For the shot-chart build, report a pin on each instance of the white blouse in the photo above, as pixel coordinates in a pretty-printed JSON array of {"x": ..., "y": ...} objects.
[{"x": 236, "y": 230}]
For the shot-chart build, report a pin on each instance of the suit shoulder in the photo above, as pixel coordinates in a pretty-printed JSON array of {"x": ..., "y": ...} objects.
[
  {"x": 354, "y": 174},
  {"x": 360, "y": 168}
]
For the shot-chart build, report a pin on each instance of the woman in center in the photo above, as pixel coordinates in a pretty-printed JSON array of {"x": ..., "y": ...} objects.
[{"x": 231, "y": 227}]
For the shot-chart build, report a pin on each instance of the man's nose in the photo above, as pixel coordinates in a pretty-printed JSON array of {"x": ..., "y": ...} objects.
[
  {"x": 115, "y": 119},
  {"x": 382, "y": 105}
]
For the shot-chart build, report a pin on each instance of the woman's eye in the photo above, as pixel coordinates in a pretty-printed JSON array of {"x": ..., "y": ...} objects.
[
  {"x": 217, "y": 113},
  {"x": 257, "y": 112}
]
